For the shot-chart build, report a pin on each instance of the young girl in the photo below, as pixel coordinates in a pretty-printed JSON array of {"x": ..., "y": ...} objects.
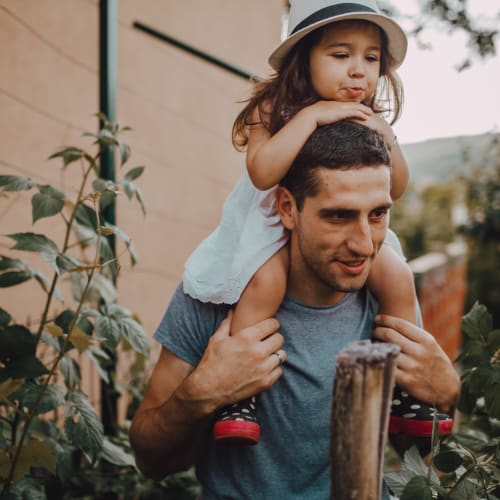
[{"x": 337, "y": 63}]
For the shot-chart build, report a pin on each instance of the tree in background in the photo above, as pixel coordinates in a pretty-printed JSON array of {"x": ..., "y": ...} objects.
[
  {"x": 482, "y": 230},
  {"x": 453, "y": 15}
]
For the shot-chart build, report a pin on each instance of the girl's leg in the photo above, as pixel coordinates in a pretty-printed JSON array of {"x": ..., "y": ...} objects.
[
  {"x": 264, "y": 293},
  {"x": 260, "y": 300},
  {"x": 391, "y": 280}
]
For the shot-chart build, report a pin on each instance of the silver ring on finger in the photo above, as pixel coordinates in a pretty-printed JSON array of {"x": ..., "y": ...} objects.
[{"x": 278, "y": 354}]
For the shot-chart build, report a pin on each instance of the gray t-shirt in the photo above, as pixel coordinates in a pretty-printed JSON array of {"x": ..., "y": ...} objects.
[{"x": 291, "y": 461}]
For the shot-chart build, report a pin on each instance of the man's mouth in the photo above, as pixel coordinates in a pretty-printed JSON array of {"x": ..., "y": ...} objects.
[{"x": 353, "y": 267}]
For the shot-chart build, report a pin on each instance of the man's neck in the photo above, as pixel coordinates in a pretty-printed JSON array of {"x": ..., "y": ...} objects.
[{"x": 311, "y": 292}]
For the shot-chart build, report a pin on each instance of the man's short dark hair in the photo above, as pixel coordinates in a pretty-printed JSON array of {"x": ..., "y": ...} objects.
[{"x": 341, "y": 145}]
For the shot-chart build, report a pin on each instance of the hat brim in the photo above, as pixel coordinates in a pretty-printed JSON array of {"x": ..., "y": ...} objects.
[{"x": 397, "y": 41}]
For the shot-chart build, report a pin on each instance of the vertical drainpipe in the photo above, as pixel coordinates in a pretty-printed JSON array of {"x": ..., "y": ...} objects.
[{"x": 107, "y": 104}]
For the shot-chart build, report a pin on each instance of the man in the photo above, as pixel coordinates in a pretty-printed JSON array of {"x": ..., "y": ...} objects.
[{"x": 335, "y": 203}]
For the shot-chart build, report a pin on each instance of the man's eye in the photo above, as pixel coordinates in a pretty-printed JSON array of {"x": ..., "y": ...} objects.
[
  {"x": 379, "y": 214},
  {"x": 341, "y": 215}
]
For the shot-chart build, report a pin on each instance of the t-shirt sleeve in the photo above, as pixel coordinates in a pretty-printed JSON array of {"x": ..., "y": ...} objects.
[{"x": 187, "y": 326}]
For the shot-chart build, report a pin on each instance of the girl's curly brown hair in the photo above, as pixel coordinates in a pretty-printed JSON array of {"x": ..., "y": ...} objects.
[{"x": 290, "y": 89}]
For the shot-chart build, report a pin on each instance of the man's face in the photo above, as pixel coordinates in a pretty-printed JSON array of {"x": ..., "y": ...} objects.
[{"x": 338, "y": 233}]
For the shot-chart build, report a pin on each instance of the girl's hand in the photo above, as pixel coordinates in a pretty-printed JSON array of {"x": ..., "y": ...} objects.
[
  {"x": 423, "y": 369},
  {"x": 325, "y": 112},
  {"x": 379, "y": 124}
]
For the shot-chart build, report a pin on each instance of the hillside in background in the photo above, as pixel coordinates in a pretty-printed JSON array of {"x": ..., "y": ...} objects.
[{"x": 439, "y": 160}]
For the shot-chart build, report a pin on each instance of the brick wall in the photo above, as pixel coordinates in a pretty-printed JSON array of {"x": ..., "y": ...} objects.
[{"x": 440, "y": 280}]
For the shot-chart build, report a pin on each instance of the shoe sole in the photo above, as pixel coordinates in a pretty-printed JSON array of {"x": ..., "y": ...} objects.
[
  {"x": 401, "y": 425},
  {"x": 237, "y": 431}
]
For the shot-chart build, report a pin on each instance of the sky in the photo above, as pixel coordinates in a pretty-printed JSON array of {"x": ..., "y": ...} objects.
[{"x": 439, "y": 100}]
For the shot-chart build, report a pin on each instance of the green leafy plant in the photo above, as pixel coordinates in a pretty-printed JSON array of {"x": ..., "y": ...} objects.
[
  {"x": 50, "y": 434},
  {"x": 465, "y": 465}
]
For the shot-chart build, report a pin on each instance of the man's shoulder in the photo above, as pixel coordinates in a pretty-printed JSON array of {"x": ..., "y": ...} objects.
[{"x": 188, "y": 324}]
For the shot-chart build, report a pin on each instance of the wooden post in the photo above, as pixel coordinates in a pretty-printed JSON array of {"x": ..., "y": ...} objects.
[{"x": 360, "y": 414}]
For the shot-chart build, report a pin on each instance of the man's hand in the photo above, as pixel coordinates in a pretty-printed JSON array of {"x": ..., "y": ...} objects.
[
  {"x": 423, "y": 368},
  {"x": 233, "y": 368},
  {"x": 170, "y": 425}
]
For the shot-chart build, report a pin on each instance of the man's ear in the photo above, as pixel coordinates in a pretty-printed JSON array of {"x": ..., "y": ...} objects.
[{"x": 287, "y": 207}]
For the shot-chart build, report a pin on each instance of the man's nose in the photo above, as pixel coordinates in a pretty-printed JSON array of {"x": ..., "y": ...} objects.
[{"x": 360, "y": 239}]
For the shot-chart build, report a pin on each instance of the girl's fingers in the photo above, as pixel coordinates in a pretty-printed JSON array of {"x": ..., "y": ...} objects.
[
  {"x": 392, "y": 336},
  {"x": 404, "y": 327}
]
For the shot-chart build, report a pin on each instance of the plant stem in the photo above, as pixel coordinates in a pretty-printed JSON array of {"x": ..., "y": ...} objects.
[{"x": 69, "y": 225}]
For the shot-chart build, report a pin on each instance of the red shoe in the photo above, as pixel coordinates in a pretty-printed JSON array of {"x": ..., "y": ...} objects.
[
  {"x": 414, "y": 418},
  {"x": 237, "y": 424}
]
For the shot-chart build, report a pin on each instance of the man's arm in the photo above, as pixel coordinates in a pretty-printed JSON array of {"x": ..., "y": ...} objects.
[
  {"x": 180, "y": 399},
  {"x": 423, "y": 368}
]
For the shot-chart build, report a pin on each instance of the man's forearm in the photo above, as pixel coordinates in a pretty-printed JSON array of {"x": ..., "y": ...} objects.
[{"x": 167, "y": 439}]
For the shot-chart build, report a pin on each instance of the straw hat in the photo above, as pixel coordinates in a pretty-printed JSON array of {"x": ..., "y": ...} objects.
[{"x": 307, "y": 15}]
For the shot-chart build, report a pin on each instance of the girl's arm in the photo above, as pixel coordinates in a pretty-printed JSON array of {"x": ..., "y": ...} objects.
[
  {"x": 400, "y": 170},
  {"x": 270, "y": 156}
]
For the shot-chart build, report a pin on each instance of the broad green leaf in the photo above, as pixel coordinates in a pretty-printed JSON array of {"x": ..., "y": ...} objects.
[
  {"x": 83, "y": 426},
  {"x": 29, "y": 367},
  {"x": 16, "y": 341},
  {"x": 101, "y": 288},
  {"x": 100, "y": 370},
  {"x": 477, "y": 322},
  {"x": 67, "y": 263},
  {"x": 494, "y": 341},
  {"x": 108, "y": 190},
  {"x": 134, "y": 173},
  {"x": 50, "y": 340},
  {"x": 5, "y": 318},
  {"x": 65, "y": 320},
  {"x": 124, "y": 152},
  {"x": 492, "y": 400},
  {"x": 68, "y": 463},
  {"x": 8, "y": 263},
  {"x": 12, "y": 278},
  {"x": 52, "y": 398},
  {"x": 116, "y": 311},
  {"x": 116, "y": 455},
  {"x": 474, "y": 353},
  {"x": 417, "y": 489},
  {"x": 48, "y": 202},
  {"x": 10, "y": 386},
  {"x": 86, "y": 216},
  {"x": 31, "y": 242},
  {"x": 68, "y": 155},
  {"x": 134, "y": 334},
  {"x": 133, "y": 191},
  {"x": 127, "y": 240},
  {"x": 465, "y": 490},
  {"x": 108, "y": 331},
  {"x": 140, "y": 198},
  {"x": 27, "y": 488},
  {"x": 12, "y": 183},
  {"x": 448, "y": 460},
  {"x": 107, "y": 138},
  {"x": 412, "y": 466},
  {"x": 70, "y": 370}
]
